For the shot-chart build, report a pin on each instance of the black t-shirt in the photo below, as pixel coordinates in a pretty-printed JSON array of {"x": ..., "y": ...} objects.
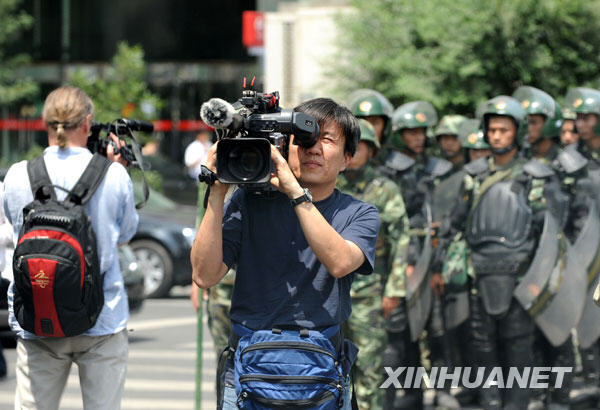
[{"x": 279, "y": 280}]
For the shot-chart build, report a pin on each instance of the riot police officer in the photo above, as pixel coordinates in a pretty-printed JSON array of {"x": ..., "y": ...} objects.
[
  {"x": 416, "y": 174},
  {"x": 544, "y": 118},
  {"x": 585, "y": 103},
  {"x": 472, "y": 140},
  {"x": 377, "y": 110},
  {"x": 446, "y": 134},
  {"x": 568, "y": 130},
  {"x": 385, "y": 286},
  {"x": 502, "y": 249}
]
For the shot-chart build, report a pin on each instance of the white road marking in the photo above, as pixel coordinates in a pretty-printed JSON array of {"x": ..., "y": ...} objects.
[{"x": 160, "y": 323}]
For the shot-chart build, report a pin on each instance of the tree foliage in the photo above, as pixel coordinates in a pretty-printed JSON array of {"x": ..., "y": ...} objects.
[
  {"x": 12, "y": 23},
  {"x": 122, "y": 90},
  {"x": 457, "y": 53}
]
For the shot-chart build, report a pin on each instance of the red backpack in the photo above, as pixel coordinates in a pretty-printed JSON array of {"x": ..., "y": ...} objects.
[{"x": 57, "y": 281}]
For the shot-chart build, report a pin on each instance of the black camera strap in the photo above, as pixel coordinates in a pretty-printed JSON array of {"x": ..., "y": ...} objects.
[
  {"x": 137, "y": 153},
  {"x": 207, "y": 177}
]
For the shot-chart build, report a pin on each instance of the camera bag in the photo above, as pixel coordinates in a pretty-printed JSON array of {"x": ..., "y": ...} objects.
[
  {"x": 292, "y": 369},
  {"x": 58, "y": 288}
]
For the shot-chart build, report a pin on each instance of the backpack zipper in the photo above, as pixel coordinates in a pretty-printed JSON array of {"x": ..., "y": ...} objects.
[
  {"x": 288, "y": 345},
  {"x": 45, "y": 256},
  {"x": 290, "y": 379},
  {"x": 287, "y": 404}
]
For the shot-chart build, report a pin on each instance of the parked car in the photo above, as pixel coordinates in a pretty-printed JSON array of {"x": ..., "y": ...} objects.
[{"x": 163, "y": 242}]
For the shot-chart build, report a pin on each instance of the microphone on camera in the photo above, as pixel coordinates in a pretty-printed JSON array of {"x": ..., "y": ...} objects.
[{"x": 218, "y": 113}]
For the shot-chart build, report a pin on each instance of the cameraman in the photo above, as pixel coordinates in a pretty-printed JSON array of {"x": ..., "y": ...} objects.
[
  {"x": 295, "y": 263},
  {"x": 43, "y": 364}
]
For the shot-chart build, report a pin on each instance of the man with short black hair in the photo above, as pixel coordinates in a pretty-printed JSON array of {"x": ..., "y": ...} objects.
[{"x": 297, "y": 250}]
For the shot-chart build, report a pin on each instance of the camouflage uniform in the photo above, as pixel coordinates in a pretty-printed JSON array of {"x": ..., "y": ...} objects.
[
  {"x": 219, "y": 302},
  {"x": 366, "y": 325},
  {"x": 219, "y": 296}
]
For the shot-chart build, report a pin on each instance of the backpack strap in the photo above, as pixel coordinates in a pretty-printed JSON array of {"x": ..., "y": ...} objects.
[
  {"x": 90, "y": 180},
  {"x": 41, "y": 185}
]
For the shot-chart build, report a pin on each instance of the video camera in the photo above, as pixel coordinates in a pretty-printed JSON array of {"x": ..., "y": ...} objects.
[
  {"x": 120, "y": 127},
  {"x": 252, "y": 124},
  {"x": 130, "y": 152}
]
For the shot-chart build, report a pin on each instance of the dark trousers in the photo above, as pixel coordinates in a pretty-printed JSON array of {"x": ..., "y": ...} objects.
[
  {"x": 505, "y": 341},
  {"x": 547, "y": 355},
  {"x": 401, "y": 351}
]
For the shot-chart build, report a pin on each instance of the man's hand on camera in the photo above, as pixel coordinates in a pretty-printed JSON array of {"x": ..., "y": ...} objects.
[
  {"x": 218, "y": 189},
  {"x": 284, "y": 179},
  {"x": 110, "y": 150}
]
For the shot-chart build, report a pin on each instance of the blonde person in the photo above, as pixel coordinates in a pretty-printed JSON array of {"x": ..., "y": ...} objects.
[{"x": 43, "y": 364}]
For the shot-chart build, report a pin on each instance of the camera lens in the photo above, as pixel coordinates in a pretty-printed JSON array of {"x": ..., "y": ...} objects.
[{"x": 246, "y": 162}]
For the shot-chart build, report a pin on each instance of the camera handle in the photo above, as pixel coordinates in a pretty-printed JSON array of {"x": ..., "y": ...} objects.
[{"x": 208, "y": 177}]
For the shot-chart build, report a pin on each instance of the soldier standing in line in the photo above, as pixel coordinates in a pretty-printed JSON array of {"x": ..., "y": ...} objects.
[
  {"x": 585, "y": 104},
  {"x": 472, "y": 140},
  {"x": 416, "y": 174},
  {"x": 456, "y": 270},
  {"x": 544, "y": 118},
  {"x": 382, "y": 289},
  {"x": 568, "y": 130},
  {"x": 446, "y": 134},
  {"x": 502, "y": 249},
  {"x": 377, "y": 110}
]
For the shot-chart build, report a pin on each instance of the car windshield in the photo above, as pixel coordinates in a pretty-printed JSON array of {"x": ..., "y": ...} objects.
[{"x": 156, "y": 200}]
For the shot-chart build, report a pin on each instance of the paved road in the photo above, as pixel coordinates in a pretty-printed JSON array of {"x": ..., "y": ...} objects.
[{"x": 162, "y": 361}]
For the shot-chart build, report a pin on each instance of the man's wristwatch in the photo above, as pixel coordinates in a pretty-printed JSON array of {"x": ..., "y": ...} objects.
[{"x": 307, "y": 197}]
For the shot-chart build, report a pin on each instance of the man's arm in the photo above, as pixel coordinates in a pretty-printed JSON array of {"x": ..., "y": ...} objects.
[
  {"x": 208, "y": 267},
  {"x": 338, "y": 255}
]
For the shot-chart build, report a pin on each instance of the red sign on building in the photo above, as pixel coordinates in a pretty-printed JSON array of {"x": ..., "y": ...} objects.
[{"x": 252, "y": 29}]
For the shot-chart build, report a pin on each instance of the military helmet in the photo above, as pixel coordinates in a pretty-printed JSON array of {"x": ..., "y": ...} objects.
[
  {"x": 502, "y": 105},
  {"x": 536, "y": 101},
  {"x": 583, "y": 100},
  {"x": 366, "y": 102},
  {"x": 367, "y": 133},
  {"x": 415, "y": 114},
  {"x": 568, "y": 114},
  {"x": 449, "y": 125},
  {"x": 470, "y": 135}
]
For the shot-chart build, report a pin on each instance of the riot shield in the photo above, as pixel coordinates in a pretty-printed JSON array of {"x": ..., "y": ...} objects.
[
  {"x": 594, "y": 176},
  {"x": 445, "y": 194},
  {"x": 556, "y": 305},
  {"x": 587, "y": 247},
  {"x": 418, "y": 291},
  {"x": 456, "y": 304}
]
